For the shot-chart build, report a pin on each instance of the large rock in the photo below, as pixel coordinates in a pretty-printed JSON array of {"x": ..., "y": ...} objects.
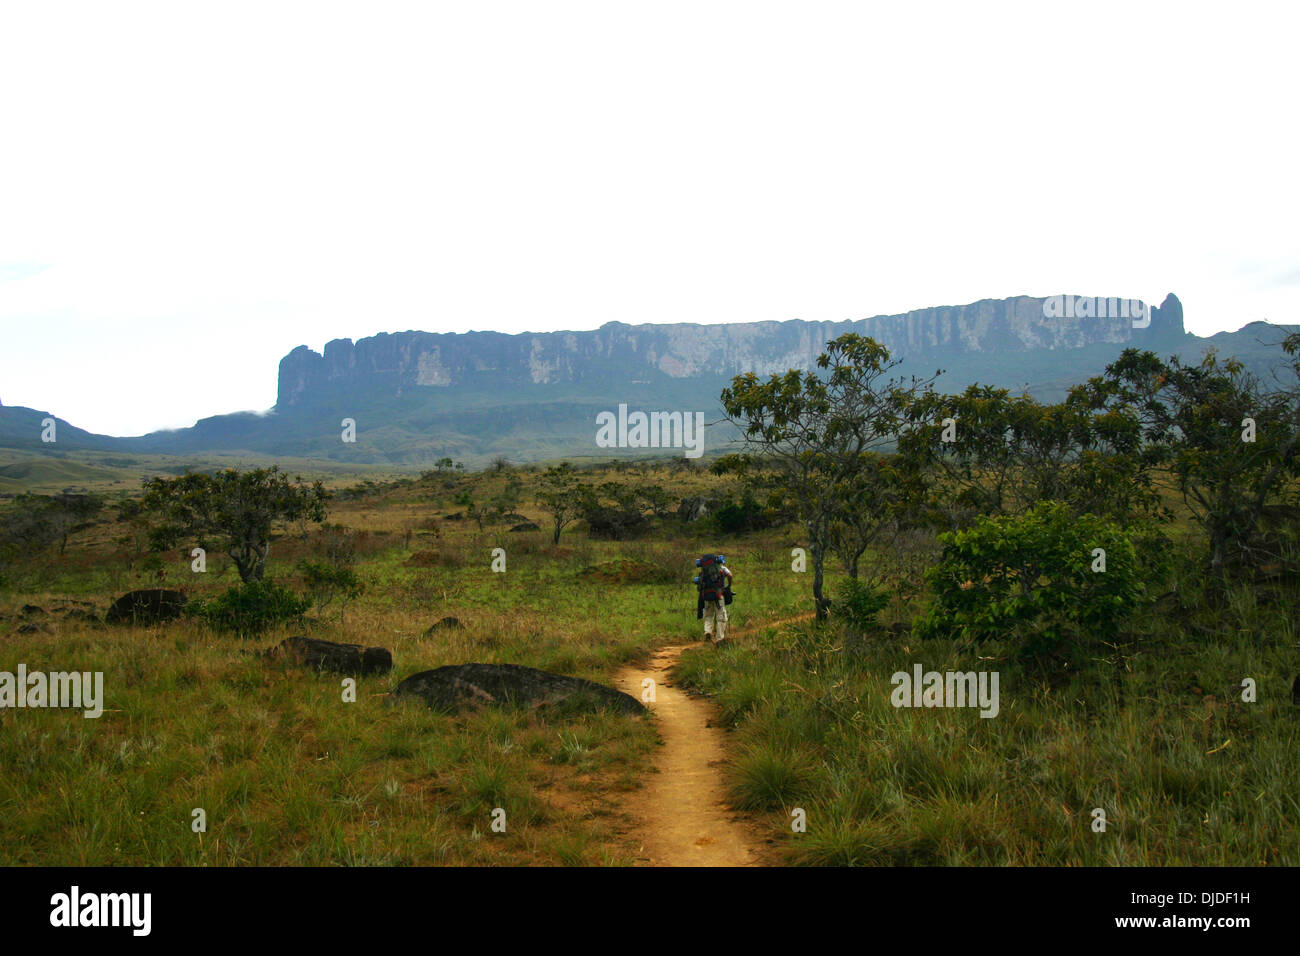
[
  {"x": 460, "y": 686},
  {"x": 446, "y": 624},
  {"x": 695, "y": 508},
  {"x": 146, "y": 607},
  {"x": 525, "y": 526},
  {"x": 328, "y": 656}
]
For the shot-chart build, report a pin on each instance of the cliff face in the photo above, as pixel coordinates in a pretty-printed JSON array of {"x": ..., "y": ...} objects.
[
  {"x": 645, "y": 354},
  {"x": 417, "y": 397}
]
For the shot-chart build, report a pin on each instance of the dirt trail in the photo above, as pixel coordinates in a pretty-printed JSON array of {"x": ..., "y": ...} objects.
[
  {"x": 681, "y": 812},
  {"x": 682, "y": 817}
]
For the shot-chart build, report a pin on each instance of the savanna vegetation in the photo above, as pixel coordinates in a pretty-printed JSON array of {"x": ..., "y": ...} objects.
[{"x": 1126, "y": 560}]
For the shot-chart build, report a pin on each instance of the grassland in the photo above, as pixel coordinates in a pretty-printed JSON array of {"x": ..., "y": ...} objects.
[{"x": 1152, "y": 729}]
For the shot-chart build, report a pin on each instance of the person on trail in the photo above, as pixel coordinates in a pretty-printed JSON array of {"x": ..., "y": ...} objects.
[{"x": 714, "y": 584}]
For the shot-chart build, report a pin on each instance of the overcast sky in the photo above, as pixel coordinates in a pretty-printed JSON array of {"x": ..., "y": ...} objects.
[{"x": 190, "y": 190}]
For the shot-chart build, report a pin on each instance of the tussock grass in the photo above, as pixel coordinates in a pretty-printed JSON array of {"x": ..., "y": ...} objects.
[
  {"x": 1157, "y": 736},
  {"x": 1151, "y": 729}
]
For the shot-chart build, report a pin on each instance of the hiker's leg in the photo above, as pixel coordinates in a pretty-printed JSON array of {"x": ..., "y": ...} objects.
[
  {"x": 721, "y": 625},
  {"x": 709, "y": 607}
]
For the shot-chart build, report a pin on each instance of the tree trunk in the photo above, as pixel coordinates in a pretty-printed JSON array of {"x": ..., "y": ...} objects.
[{"x": 819, "y": 561}]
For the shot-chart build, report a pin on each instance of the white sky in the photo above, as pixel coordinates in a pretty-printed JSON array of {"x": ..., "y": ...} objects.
[{"x": 188, "y": 191}]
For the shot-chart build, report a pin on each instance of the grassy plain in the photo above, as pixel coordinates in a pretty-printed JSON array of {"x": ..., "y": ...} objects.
[{"x": 1151, "y": 729}]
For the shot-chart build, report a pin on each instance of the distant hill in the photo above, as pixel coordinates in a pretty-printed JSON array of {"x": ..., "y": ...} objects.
[
  {"x": 419, "y": 396},
  {"x": 51, "y": 473}
]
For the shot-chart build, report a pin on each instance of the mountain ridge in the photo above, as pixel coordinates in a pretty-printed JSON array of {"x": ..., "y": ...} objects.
[{"x": 418, "y": 396}]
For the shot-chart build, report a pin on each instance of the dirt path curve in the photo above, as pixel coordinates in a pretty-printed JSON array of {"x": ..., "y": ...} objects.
[{"x": 681, "y": 812}]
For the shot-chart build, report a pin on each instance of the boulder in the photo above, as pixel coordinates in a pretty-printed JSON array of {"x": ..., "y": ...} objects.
[
  {"x": 525, "y": 526},
  {"x": 34, "y": 628},
  {"x": 695, "y": 509},
  {"x": 147, "y": 606},
  {"x": 457, "y": 687},
  {"x": 31, "y": 610},
  {"x": 446, "y": 624},
  {"x": 328, "y": 656}
]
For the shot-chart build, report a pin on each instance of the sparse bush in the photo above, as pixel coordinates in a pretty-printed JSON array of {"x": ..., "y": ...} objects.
[{"x": 327, "y": 583}]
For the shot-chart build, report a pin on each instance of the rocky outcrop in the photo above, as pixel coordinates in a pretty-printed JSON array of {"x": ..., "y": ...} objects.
[
  {"x": 146, "y": 607},
  {"x": 329, "y": 656},
  {"x": 695, "y": 508},
  {"x": 463, "y": 686}
]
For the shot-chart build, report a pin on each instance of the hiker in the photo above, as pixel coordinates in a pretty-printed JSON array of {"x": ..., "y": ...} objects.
[{"x": 714, "y": 586}]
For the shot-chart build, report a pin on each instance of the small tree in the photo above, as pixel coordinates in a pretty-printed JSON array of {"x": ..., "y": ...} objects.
[
  {"x": 33, "y": 523},
  {"x": 233, "y": 511},
  {"x": 875, "y": 499},
  {"x": 506, "y": 501},
  {"x": 1230, "y": 443},
  {"x": 808, "y": 435},
  {"x": 987, "y": 452},
  {"x": 563, "y": 497}
]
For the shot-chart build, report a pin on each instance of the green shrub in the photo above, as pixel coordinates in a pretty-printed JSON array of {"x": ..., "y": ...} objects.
[
  {"x": 1033, "y": 571},
  {"x": 858, "y": 604},
  {"x": 737, "y": 517},
  {"x": 250, "y": 608}
]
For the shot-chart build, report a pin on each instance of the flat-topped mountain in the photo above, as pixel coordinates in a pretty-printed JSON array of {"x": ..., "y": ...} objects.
[
  {"x": 617, "y": 353},
  {"x": 414, "y": 397}
]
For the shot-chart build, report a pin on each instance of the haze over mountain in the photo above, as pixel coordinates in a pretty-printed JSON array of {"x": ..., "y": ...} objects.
[{"x": 419, "y": 396}]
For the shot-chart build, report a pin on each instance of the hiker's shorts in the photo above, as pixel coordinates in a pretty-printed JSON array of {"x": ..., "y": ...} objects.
[{"x": 715, "y": 615}]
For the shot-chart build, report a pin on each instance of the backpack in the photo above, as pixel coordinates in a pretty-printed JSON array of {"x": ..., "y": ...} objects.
[{"x": 710, "y": 580}]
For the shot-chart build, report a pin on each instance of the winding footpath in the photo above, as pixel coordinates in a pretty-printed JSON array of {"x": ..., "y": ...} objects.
[{"x": 682, "y": 817}]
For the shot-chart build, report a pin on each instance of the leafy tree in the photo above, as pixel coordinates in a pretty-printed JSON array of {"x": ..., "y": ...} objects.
[
  {"x": 986, "y": 452},
  {"x": 506, "y": 501},
  {"x": 615, "y": 511},
  {"x": 658, "y": 500},
  {"x": 33, "y": 523},
  {"x": 876, "y": 501},
  {"x": 232, "y": 511},
  {"x": 442, "y": 466},
  {"x": 808, "y": 435},
  {"x": 563, "y": 497},
  {"x": 1229, "y": 442}
]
